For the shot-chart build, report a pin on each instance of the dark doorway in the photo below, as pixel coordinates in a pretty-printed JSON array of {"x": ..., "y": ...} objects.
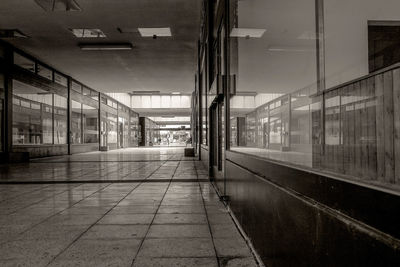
[{"x": 383, "y": 44}]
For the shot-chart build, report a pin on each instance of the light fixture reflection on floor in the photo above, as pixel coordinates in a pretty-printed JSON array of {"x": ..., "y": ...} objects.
[{"x": 106, "y": 47}]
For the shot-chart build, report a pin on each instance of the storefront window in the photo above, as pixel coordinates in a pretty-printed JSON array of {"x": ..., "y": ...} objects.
[
  {"x": 32, "y": 115},
  {"x": 76, "y": 123},
  {"x": 60, "y": 119},
  {"x": 90, "y": 124},
  {"x": 270, "y": 112},
  {"x": 133, "y": 129},
  {"x": 112, "y": 127},
  {"x": 324, "y": 95}
]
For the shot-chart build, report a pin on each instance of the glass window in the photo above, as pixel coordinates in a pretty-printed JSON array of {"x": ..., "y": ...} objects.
[
  {"x": 134, "y": 129},
  {"x": 112, "y": 127},
  {"x": 90, "y": 93},
  {"x": 76, "y": 123},
  {"x": 271, "y": 114},
  {"x": 90, "y": 124},
  {"x": 60, "y": 119},
  {"x": 44, "y": 72},
  {"x": 104, "y": 100},
  {"x": 24, "y": 62},
  {"x": 204, "y": 110},
  {"x": 32, "y": 115},
  {"x": 60, "y": 79},
  {"x": 357, "y": 47},
  {"x": 76, "y": 87},
  {"x": 86, "y": 91}
]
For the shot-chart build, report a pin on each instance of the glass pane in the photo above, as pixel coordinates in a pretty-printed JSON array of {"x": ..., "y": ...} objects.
[
  {"x": 32, "y": 115},
  {"x": 44, "y": 72},
  {"x": 90, "y": 124},
  {"x": 76, "y": 123},
  {"x": 112, "y": 128},
  {"x": 270, "y": 112},
  {"x": 24, "y": 62},
  {"x": 60, "y": 119},
  {"x": 134, "y": 121},
  {"x": 60, "y": 79},
  {"x": 76, "y": 87}
]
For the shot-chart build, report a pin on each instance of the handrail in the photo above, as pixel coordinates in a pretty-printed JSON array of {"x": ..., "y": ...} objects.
[{"x": 365, "y": 77}]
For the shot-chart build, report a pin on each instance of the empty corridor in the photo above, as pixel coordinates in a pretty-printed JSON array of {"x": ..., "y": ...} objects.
[{"x": 132, "y": 207}]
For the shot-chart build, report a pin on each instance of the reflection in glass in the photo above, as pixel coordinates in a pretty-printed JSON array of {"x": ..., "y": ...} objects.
[
  {"x": 112, "y": 127},
  {"x": 76, "y": 122},
  {"x": 24, "y": 62},
  {"x": 32, "y": 115},
  {"x": 90, "y": 124},
  {"x": 60, "y": 119},
  {"x": 44, "y": 72},
  {"x": 270, "y": 111},
  {"x": 348, "y": 127}
]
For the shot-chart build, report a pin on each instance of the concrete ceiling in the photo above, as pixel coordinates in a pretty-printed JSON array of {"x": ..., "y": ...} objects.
[{"x": 165, "y": 64}]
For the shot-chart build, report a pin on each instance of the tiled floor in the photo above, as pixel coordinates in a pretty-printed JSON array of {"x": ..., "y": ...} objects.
[{"x": 164, "y": 214}]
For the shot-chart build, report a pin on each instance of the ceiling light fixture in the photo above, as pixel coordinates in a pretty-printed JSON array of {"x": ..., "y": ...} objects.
[
  {"x": 106, "y": 47},
  {"x": 88, "y": 33},
  {"x": 7, "y": 33},
  {"x": 58, "y": 5},
  {"x": 247, "y": 33},
  {"x": 176, "y": 93},
  {"x": 155, "y": 32}
]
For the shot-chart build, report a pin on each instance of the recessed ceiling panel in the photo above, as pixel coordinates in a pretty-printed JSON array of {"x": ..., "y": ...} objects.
[{"x": 165, "y": 64}]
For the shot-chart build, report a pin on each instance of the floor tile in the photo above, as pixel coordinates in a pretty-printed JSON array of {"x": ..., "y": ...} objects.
[
  {"x": 176, "y": 262},
  {"x": 115, "y": 231},
  {"x": 127, "y": 219},
  {"x": 89, "y": 252},
  {"x": 179, "y": 231},
  {"x": 231, "y": 247},
  {"x": 184, "y": 247},
  {"x": 180, "y": 219}
]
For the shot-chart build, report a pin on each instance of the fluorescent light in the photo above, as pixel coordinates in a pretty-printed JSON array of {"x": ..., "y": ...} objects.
[
  {"x": 97, "y": 47},
  {"x": 159, "y": 32},
  {"x": 88, "y": 33},
  {"x": 290, "y": 49},
  {"x": 247, "y": 32},
  {"x": 176, "y": 93}
]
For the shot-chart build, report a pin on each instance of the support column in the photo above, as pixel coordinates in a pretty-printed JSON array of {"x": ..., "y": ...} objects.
[
  {"x": 8, "y": 105},
  {"x": 69, "y": 116}
]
